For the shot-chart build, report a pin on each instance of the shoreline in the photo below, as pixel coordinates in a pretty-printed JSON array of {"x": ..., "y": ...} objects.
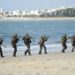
[
  {"x": 55, "y": 48},
  {"x": 35, "y": 19}
]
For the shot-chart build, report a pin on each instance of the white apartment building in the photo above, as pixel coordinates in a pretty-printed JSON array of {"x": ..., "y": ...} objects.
[{"x": 1, "y": 12}]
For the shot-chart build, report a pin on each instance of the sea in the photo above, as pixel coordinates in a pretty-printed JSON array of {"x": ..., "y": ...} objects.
[{"x": 53, "y": 29}]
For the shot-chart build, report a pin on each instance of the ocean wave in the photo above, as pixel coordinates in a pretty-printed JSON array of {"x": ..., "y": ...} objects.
[{"x": 35, "y": 48}]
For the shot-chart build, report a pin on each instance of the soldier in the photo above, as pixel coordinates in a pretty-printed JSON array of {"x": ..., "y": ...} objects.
[
  {"x": 27, "y": 41},
  {"x": 64, "y": 40},
  {"x": 43, "y": 39},
  {"x": 1, "y": 41},
  {"x": 14, "y": 41},
  {"x": 73, "y": 43}
]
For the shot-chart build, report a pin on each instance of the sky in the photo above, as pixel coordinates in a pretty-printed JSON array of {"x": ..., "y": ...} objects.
[{"x": 35, "y": 4}]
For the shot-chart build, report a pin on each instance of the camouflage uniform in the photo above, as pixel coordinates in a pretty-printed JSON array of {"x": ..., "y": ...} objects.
[
  {"x": 64, "y": 40},
  {"x": 27, "y": 41},
  {"x": 43, "y": 39},
  {"x": 14, "y": 41},
  {"x": 73, "y": 43},
  {"x": 1, "y": 41}
]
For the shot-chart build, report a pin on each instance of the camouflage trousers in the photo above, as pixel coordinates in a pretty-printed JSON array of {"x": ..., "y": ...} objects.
[
  {"x": 28, "y": 49},
  {"x": 41, "y": 47},
  {"x": 1, "y": 53}
]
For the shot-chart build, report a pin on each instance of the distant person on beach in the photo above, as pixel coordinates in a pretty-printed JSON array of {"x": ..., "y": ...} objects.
[
  {"x": 27, "y": 41},
  {"x": 1, "y": 41},
  {"x": 42, "y": 41},
  {"x": 73, "y": 42},
  {"x": 63, "y": 41},
  {"x": 14, "y": 41}
]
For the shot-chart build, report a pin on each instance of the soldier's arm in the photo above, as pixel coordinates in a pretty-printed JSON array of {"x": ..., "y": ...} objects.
[
  {"x": 17, "y": 38},
  {"x": 23, "y": 38}
]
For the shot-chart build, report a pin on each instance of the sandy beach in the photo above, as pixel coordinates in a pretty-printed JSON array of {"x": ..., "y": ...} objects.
[
  {"x": 34, "y": 19},
  {"x": 50, "y": 64}
]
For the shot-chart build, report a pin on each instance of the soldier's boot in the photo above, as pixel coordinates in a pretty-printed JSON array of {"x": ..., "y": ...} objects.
[
  {"x": 14, "y": 54},
  {"x": 39, "y": 52},
  {"x": 29, "y": 52},
  {"x": 1, "y": 52},
  {"x": 72, "y": 49},
  {"x": 26, "y": 52},
  {"x": 40, "y": 49},
  {"x": 65, "y": 47},
  {"x": 45, "y": 50},
  {"x": 63, "y": 50}
]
